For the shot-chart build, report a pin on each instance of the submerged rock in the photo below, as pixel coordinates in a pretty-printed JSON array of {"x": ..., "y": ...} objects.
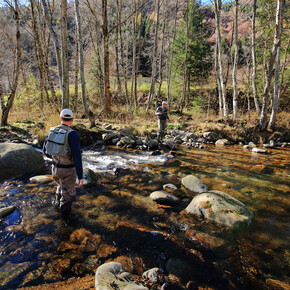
[
  {"x": 258, "y": 150},
  {"x": 169, "y": 187},
  {"x": 5, "y": 211},
  {"x": 90, "y": 177},
  {"x": 194, "y": 184},
  {"x": 163, "y": 196},
  {"x": 40, "y": 179},
  {"x": 221, "y": 142},
  {"x": 252, "y": 144},
  {"x": 221, "y": 208},
  {"x": 112, "y": 275},
  {"x": 152, "y": 274},
  {"x": 18, "y": 159}
]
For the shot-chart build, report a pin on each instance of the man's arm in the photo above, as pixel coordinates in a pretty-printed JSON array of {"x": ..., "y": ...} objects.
[{"x": 74, "y": 143}]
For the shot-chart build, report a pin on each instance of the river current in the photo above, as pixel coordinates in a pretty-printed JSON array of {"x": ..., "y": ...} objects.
[{"x": 116, "y": 220}]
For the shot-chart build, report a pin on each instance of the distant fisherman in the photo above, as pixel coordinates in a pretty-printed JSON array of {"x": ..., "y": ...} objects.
[
  {"x": 62, "y": 144},
  {"x": 162, "y": 114}
]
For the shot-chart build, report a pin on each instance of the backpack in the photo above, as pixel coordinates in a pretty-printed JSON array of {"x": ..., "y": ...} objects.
[{"x": 57, "y": 141}]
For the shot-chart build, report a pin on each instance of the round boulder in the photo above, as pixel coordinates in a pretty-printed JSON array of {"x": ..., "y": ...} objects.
[
  {"x": 221, "y": 208},
  {"x": 113, "y": 273},
  {"x": 163, "y": 196},
  {"x": 194, "y": 184},
  {"x": 18, "y": 159}
]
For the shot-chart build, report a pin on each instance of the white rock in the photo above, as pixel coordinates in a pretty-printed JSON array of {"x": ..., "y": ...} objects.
[
  {"x": 40, "y": 179},
  {"x": 221, "y": 208},
  {"x": 152, "y": 274},
  {"x": 194, "y": 184},
  {"x": 169, "y": 187},
  {"x": 163, "y": 196},
  {"x": 258, "y": 150}
]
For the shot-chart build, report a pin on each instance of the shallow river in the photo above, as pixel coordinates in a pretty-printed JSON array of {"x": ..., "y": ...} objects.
[{"x": 116, "y": 220}]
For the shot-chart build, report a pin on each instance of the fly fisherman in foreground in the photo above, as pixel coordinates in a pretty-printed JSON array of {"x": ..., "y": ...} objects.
[
  {"x": 162, "y": 114},
  {"x": 62, "y": 144}
]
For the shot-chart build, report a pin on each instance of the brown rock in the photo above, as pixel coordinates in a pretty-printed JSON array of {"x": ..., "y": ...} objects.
[
  {"x": 263, "y": 169},
  {"x": 78, "y": 269},
  {"x": 66, "y": 246},
  {"x": 79, "y": 235},
  {"x": 61, "y": 265},
  {"x": 105, "y": 250}
]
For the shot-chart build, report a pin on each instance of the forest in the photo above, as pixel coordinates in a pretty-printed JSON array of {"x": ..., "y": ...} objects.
[{"x": 222, "y": 60}]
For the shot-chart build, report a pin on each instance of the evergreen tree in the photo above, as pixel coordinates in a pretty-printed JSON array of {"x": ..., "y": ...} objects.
[{"x": 199, "y": 51}]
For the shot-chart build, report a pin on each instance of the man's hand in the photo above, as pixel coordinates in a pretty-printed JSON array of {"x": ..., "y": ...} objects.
[{"x": 81, "y": 182}]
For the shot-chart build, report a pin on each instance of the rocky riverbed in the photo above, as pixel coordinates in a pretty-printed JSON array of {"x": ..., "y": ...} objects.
[{"x": 150, "y": 215}]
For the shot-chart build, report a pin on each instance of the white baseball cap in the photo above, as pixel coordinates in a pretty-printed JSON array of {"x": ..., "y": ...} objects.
[
  {"x": 165, "y": 103},
  {"x": 66, "y": 113}
]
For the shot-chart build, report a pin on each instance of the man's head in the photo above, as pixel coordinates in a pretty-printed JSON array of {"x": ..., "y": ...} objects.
[
  {"x": 164, "y": 104},
  {"x": 66, "y": 116}
]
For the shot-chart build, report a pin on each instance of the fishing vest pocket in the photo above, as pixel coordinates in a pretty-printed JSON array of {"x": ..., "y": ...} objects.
[{"x": 57, "y": 142}]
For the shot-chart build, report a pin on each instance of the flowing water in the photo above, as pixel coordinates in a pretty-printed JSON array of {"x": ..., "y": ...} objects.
[{"x": 116, "y": 220}]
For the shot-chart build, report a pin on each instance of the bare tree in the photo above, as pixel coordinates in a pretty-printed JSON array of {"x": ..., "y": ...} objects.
[
  {"x": 154, "y": 56},
  {"x": 6, "y": 106},
  {"x": 88, "y": 112},
  {"x": 276, "y": 45},
  {"x": 64, "y": 53},
  {"x": 254, "y": 72},
  {"x": 217, "y": 8},
  {"x": 235, "y": 92},
  {"x": 106, "y": 56},
  {"x": 170, "y": 59},
  {"x": 277, "y": 71}
]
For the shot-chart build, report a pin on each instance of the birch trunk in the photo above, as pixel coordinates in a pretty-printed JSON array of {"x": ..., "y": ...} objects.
[
  {"x": 76, "y": 95},
  {"x": 64, "y": 52},
  {"x": 254, "y": 72},
  {"x": 276, "y": 45},
  {"x": 218, "y": 80},
  {"x": 217, "y": 5},
  {"x": 276, "y": 78},
  {"x": 88, "y": 112},
  {"x": 235, "y": 92}
]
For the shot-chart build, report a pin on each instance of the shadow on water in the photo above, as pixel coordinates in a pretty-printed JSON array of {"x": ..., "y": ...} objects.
[{"x": 116, "y": 220}]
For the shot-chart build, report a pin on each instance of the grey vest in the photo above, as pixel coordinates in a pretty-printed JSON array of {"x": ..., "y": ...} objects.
[{"x": 57, "y": 142}]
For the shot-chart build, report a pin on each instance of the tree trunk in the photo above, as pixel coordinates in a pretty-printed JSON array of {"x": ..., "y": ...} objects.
[
  {"x": 248, "y": 89},
  {"x": 76, "y": 95},
  {"x": 154, "y": 58},
  {"x": 254, "y": 73},
  {"x": 277, "y": 70},
  {"x": 7, "y": 107},
  {"x": 217, "y": 6},
  {"x": 165, "y": 21},
  {"x": 185, "y": 76},
  {"x": 55, "y": 40},
  {"x": 64, "y": 51},
  {"x": 106, "y": 57},
  {"x": 88, "y": 112},
  {"x": 169, "y": 66},
  {"x": 218, "y": 80},
  {"x": 134, "y": 84},
  {"x": 276, "y": 45},
  {"x": 117, "y": 48},
  {"x": 235, "y": 92}
]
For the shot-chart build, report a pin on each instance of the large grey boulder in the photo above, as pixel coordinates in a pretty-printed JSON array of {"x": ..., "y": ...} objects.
[
  {"x": 112, "y": 275},
  {"x": 163, "y": 196},
  {"x": 17, "y": 159},
  {"x": 194, "y": 184},
  {"x": 221, "y": 208},
  {"x": 90, "y": 177}
]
